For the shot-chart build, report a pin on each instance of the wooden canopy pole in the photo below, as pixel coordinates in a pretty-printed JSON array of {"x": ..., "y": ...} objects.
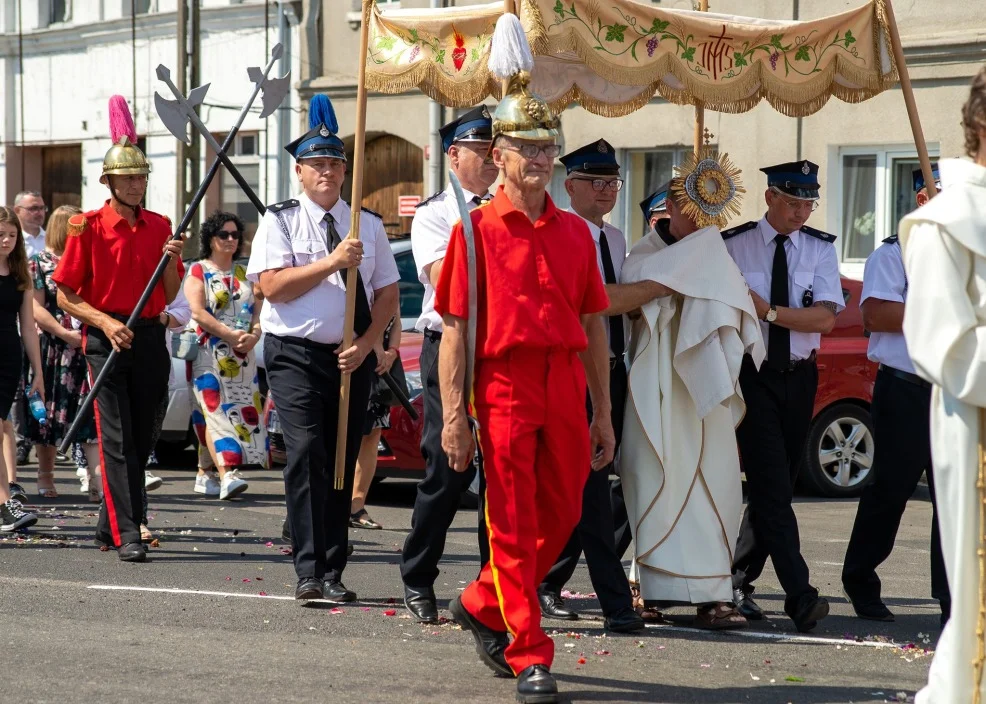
[
  {"x": 909, "y": 102},
  {"x": 703, "y": 6},
  {"x": 356, "y": 203}
]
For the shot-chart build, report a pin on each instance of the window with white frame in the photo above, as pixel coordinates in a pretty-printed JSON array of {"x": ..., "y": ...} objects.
[
  {"x": 245, "y": 155},
  {"x": 645, "y": 171},
  {"x": 54, "y": 12},
  {"x": 875, "y": 190}
]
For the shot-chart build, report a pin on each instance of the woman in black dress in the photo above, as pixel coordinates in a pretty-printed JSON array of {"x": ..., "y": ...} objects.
[{"x": 16, "y": 306}]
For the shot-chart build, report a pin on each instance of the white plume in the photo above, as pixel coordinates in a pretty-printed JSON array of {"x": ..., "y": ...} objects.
[{"x": 510, "y": 53}]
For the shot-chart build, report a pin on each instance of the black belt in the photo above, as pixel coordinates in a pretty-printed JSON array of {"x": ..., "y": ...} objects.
[
  {"x": 433, "y": 335},
  {"x": 905, "y": 376},
  {"x": 140, "y": 323},
  {"x": 305, "y": 342},
  {"x": 793, "y": 364}
]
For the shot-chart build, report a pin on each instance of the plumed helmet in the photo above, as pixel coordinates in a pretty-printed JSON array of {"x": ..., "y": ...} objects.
[{"x": 123, "y": 158}]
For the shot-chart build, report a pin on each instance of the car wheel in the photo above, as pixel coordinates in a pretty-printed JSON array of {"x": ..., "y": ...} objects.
[{"x": 838, "y": 458}]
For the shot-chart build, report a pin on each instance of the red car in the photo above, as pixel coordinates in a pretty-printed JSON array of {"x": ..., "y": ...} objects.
[{"x": 838, "y": 456}]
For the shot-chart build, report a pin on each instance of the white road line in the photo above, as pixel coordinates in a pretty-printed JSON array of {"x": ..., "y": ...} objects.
[
  {"x": 757, "y": 635},
  {"x": 783, "y": 637}
]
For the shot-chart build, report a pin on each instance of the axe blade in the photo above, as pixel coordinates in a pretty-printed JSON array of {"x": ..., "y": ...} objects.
[
  {"x": 273, "y": 94},
  {"x": 173, "y": 117}
]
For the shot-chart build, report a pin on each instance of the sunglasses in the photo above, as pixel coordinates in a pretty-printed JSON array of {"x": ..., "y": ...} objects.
[{"x": 227, "y": 235}]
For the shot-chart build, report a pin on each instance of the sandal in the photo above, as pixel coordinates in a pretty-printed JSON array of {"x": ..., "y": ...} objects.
[
  {"x": 146, "y": 535},
  {"x": 48, "y": 477},
  {"x": 94, "y": 487},
  {"x": 361, "y": 519},
  {"x": 649, "y": 614},
  {"x": 719, "y": 617}
]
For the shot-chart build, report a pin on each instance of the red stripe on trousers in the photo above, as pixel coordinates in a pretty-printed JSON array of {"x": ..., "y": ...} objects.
[{"x": 107, "y": 494}]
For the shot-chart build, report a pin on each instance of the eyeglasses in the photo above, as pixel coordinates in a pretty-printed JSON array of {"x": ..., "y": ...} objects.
[
  {"x": 34, "y": 208},
  {"x": 531, "y": 151},
  {"x": 811, "y": 205},
  {"x": 227, "y": 235},
  {"x": 601, "y": 184}
]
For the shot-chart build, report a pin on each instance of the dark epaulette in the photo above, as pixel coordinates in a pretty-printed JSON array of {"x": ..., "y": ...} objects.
[
  {"x": 283, "y": 205},
  {"x": 739, "y": 229},
  {"x": 891, "y": 240},
  {"x": 818, "y": 234},
  {"x": 372, "y": 212},
  {"x": 429, "y": 199}
]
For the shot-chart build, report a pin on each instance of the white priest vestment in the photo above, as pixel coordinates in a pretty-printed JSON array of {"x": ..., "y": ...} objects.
[
  {"x": 679, "y": 462},
  {"x": 944, "y": 245}
]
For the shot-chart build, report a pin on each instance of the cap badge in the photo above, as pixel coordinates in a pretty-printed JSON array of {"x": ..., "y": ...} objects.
[
  {"x": 486, "y": 113},
  {"x": 601, "y": 147},
  {"x": 325, "y": 133},
  {"x": 806, "y": 169}
]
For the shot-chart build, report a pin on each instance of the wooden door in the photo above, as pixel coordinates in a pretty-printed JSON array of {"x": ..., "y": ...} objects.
[
  {"x": 392, "y": 167},
  {"x": 61, "y": 175}
]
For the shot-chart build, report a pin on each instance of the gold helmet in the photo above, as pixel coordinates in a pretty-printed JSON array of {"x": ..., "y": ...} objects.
[
  {"x": 523, "y": 114},
  {"x": 124, "y": 158}
]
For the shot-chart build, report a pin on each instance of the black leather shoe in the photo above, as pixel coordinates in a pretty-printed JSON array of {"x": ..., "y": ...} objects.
[
  {"x": 747, "y": 607},
  {"x": 811, "y": 610},
  {"x": 335, "y": 591},
  {"x": 535, "y": 685},
  {"x": 874, "y": 610},
  {"x": 624, "y": 620},
  {"x": 421, "y": 604},
  {"x": 308, "y": 589},
  {"x": 132, "y": 552},
  {"x": 552, "y": 606},
  {"x": 490, "y": 644}
]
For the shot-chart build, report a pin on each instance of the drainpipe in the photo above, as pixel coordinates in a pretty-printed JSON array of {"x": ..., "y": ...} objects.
[
  {"x": 436, "y": 159},
  {"x": 285, "y": 15}
]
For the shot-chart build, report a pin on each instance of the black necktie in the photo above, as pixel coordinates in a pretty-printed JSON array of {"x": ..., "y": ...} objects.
[
  {"x": 362, "y": 318},
  {"x": 779, "y": 339},
  {"x": 616, "y": 341},
  {"x": 478, "y": 200}
]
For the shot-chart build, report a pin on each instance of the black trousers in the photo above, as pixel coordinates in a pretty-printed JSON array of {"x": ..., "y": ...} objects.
[
  {"x": 304, "y": 381},
  {"x": 595, "y": 533},
  {"x": 439, "y": 492},
  {"x": 901, "y": 414},
  {"x": 771, "y": 441},
  {"x": 125, "y": 411}
]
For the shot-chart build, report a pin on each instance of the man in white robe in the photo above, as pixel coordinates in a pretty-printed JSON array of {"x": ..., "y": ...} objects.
[
  {"x": 944, "y": 245},
  {"x": 680, "y": 466}
]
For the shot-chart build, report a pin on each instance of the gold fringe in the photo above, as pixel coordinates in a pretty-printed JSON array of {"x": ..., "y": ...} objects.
[{"x": 77, "y": 224}]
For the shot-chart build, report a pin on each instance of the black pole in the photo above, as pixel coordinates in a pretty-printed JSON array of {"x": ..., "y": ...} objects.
[
  {"x": 399, "y": 393},
  {"x": 97, "y": 384}
]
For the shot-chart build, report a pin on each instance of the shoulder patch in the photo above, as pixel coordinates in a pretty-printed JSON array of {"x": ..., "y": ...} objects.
[
  {"x": 739, "y": 229},
  {"x": 891, "y": 240},
  {"x": 77, "y": 224},
  {"x": 372, "y": 212},
  {"x": 818, "y": 234},
  {"x": 430, "y": 198},
  {"x": 283, "y": 205}
]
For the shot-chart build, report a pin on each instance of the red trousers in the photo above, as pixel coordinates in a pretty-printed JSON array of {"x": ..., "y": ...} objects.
[{"x": 531, "y": 408}]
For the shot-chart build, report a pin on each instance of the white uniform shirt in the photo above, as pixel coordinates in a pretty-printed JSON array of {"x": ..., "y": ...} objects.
[
  {"x": 884, "y": 278},
  {"x": 811, "y": 263},
  {"x": 34, "y": 244},
  {"x": 617, "y": 252},
  {"x": 431, "y": 230},
  {"x": 317, "y": 314}
]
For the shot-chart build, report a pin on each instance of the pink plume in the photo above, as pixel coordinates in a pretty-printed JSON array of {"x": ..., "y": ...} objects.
[{"x": 121, "y": 122}]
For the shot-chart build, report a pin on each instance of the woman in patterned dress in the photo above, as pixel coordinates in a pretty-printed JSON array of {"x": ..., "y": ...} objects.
[
  {"x": 64, "y": 365},
  {"x": 227, "y": 413}
]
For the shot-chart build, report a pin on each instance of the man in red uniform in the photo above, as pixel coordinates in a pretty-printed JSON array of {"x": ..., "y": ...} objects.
[
  {"x": 538, "y": 343},
  {"x": 109, "y": 257}
]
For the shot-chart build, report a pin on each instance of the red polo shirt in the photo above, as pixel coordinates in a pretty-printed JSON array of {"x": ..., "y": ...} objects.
[
  {"x": 534, "y": 280},
  {"x": 108, "y": 263}
]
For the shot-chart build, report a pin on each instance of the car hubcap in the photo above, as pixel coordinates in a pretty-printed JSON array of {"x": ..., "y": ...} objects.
[{"x": 846, "y": 452}]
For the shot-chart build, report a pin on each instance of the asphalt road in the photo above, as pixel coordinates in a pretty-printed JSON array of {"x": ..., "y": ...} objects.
[{"x": 211, "y": 617}]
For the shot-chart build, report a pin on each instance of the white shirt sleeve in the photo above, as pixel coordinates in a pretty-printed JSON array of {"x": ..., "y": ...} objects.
[
  {"x": 827, "y": 284},
  {"x": 271, "y": 248},
  {"x": 385, "y": 268},
  {"x": 179, "y": 308},
  {"x": 430, "y": 235},
  {"x": 883, "y": 276}
]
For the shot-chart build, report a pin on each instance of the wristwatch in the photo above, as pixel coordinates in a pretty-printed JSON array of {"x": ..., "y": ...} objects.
[{"x": 771, "y": 315}]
